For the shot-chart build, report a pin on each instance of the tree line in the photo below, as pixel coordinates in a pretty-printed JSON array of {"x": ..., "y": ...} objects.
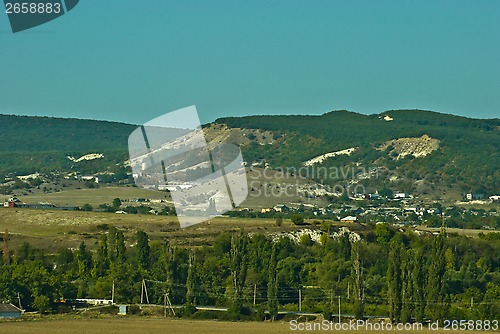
[{"x": 392, "y": 273}]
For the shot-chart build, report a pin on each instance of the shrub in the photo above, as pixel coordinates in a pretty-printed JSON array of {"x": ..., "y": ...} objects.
[
  {"x": 87, "y": 207},
  {"x": 297, "y": 219}
]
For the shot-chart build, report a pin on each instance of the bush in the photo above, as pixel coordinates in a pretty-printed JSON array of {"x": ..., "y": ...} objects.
[
  {"x": 306, "y": 240},
  {"x": 42, "y": 303},
  {"x": 103, "y": 227},
  {"x": 111, "y": 309},
  {"x": 134, "y": 309},
  {"x": 87, "y": 207},
  {"x": 188, "y": 311},
  {"x": 297, "y": 219}
]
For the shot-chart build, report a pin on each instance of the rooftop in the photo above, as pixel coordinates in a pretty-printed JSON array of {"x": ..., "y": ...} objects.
[{"x": 7, "y": 307}]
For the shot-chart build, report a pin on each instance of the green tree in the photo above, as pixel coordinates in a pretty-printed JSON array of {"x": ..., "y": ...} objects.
[
  {"x": 191, "y": 281},
  {"x": 437, "y": 299},
  {"x": 42, "y": 303},
  {"x": 383, "y": 233},
  {"x": 306, "y": 240},
  {"x": 359, "y": 282},
  {"x": 238, "y": 269},
  {"x": 84, "y": 260},
  {"x": 407, "y": 289},
  {"x": 418, "y": 277},
  {"x": 297, "y": 219},
  {"x": 87, "y": 207},
  {"x": 272, "y": 285},
  {"x": 386, "y": 192},
  {"x": 394, "y": 278},
  {"x": 117, "y": 203},
  {"x": 120, "y": 246},
  {"x": 143, "y": 250},
  {"x": 101, "y": 260}
]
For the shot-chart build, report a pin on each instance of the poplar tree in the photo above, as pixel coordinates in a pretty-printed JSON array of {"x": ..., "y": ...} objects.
[
  {"x": 272, "y": 285},
  {"x": 358, "y": 273},
  {"x": 120, "y": 247},
  {"x": 418, "y": 277},
  {"x": 394, "y": 279},
  {"x": 437, "y": 301},
  {"x": 407, "y": 287},
  {"x": 191, "y": 280},
  {"x": 238, "y": 269},
  {"x": 143, "y": 249}
]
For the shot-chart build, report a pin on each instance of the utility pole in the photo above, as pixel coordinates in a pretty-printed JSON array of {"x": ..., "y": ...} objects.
[
  {"x": 254, "y": 293},
  {"x": 170, "y": 306},
  {"x": 300, "y": 300},
  {"x": 113, "y": 293},
  {"x": 339, "y": 309},
  {"x": 165, "y": 304},
  {"x": 144, "y": 292},
  {"x": 19, "y": 299}
]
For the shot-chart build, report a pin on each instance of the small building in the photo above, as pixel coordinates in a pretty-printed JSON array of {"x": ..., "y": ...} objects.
[
  {"x": 122, "y": 309},
  {"x": 401, "y": 195},
  {"x": 12, "y": 203},
  {"x": 281, "y": 208},
  {"x": 349, "y": 219},
  {"x": 90, "y": 301},
  {"x": 495, "y": 198},
  {"x": 471, "y": 196},
  {"x": 9, "y": 311}
]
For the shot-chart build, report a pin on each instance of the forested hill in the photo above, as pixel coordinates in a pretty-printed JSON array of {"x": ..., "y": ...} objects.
[
  {"x": 42, "y": 144},
  {"x": 461, "y": 153},
  {"x": 34, "y": 134},
  {"x": 349, "y": 128},
  {"x": 466, "y": 157}
]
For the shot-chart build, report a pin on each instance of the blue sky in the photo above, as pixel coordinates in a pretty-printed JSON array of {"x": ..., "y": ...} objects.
[{"x": 131, "y": 61}]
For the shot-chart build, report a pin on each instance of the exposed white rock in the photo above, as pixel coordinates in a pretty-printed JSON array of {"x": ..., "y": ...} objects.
[
  {"x": 315, "y": 235},
  {"x": 320, "y": 158},
  {"x": 87, "y": 157}
]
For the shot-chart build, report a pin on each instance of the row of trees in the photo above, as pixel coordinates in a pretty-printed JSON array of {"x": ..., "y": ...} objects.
[{"x": 394, "y": 273}]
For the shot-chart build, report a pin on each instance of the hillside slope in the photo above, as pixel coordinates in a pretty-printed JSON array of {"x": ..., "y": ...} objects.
[{"x": 415, "y": 151}]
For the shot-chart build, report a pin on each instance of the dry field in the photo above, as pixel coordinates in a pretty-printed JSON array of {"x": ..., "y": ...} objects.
[
  {"x": 156, "y": 326},
  {"x": 51, "y": 229},
  {"x": 79, "y": 197}
]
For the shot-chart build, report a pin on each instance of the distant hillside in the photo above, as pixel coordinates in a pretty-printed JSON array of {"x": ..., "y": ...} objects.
[
  {"x": 420, "y": 152},
  {"x": 464, "y": 155},
  {"x": 42, "y": 144}
]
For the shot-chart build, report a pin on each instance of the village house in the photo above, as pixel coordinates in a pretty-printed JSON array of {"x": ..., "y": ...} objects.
[
  {"x": 471, "y": 196},
  {"x": 281, "y": 208},
  {"x": 12, "y": 202},
  {"x": 349, "y": 219},
  {"x": 9, "y": 311}
]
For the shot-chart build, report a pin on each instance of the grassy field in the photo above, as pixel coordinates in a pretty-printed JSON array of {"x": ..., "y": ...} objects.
[
  {"x": 51, "y": 229},
  {"x": 266, "y": 189},
  {"x": 155, "y": 326},
  {"x": 78, "y": 197}
]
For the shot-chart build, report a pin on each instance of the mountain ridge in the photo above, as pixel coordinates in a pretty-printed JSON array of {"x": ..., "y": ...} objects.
[{"x": 465, "y": 159}]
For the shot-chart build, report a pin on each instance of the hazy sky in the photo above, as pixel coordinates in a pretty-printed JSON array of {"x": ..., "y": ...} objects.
[{"x": 131, "y": 61}]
